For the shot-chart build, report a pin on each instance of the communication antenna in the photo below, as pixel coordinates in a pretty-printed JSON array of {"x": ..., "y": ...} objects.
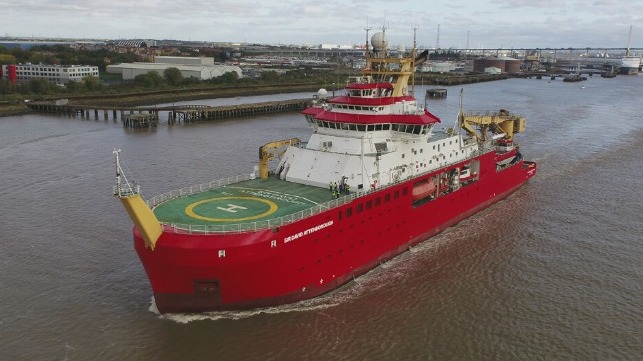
[
  {"x": 413, "y": 54},
  {"x": 367, "y": 28}
]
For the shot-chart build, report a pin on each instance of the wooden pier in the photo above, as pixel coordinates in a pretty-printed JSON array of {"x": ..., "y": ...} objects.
[
  {"x": 197, "y": 113},
  {"x": 141, "y": 120},
  {"x": 436, "y": 93},
  {"x": 144, "y": 117},
  {"x": 458, "y": 79}
]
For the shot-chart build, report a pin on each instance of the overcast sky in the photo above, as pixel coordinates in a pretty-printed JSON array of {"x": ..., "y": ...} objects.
[{"x": 489, "y": 23}]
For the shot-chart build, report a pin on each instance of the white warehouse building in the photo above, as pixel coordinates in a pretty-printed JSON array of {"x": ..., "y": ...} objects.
[{"x": 200, "y": 68}]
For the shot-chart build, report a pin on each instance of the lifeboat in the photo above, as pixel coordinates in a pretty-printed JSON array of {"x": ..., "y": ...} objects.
[{"x": 423, "y": 189}]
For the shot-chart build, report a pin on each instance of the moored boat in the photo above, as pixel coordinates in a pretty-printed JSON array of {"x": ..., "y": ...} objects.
[
  {"x": 376, "y": 176},
  {"x": 630, "y": 63}
]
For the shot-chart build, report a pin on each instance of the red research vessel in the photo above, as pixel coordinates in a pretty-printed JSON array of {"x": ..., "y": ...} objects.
[{"x": 375, "y": 178}]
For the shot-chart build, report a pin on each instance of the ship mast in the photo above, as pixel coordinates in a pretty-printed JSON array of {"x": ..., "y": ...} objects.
[
  {"x": 367, "y": 49},
  {"x": 413, "y": 55},
  {"x": 126, "y": 189},
  {"x": 629, "y": 39}
]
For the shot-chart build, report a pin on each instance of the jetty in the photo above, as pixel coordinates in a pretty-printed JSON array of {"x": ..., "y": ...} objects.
[
  {"x": 436, "y": 93},
  {"x": 148, "y": 116},
  {"x": 457, "y": 79}
]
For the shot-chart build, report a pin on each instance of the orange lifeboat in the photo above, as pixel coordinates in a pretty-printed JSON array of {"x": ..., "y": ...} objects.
[{"x": 423, "y": 189}]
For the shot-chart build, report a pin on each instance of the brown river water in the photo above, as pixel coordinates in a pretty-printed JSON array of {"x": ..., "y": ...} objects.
[{"x": 554, "y": 272}]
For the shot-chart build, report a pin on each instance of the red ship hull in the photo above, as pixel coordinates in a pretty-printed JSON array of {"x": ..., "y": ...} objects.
[{"x": 304, "y": 259}]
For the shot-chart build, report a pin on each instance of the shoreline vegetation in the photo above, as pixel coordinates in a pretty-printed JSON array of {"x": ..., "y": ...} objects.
[{"x": 178, "y": 94}]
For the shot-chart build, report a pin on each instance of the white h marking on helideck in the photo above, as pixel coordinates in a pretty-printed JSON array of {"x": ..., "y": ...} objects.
[{"x": 232, "y": 208}]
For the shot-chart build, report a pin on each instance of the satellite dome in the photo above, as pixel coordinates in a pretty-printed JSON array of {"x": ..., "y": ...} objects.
[
  {"x": 378, "y": 40},
  {"x": 322, "y": 93}
]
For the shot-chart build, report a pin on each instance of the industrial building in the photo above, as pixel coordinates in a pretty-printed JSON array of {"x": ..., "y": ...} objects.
[
  {"x": 505, "y": 64},
  {"x": 197, "y": 67},
  {"x": 57, "y": 74}
]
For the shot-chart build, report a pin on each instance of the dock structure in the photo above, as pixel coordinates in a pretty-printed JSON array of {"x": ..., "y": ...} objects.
[
  {"x": 463, "y": 79},
  {"x": 141, "y": 120},
  {"x": 141, "y": 117},
  {"x": 436, "y": 93},
  {"x": 196, "y": 113}
]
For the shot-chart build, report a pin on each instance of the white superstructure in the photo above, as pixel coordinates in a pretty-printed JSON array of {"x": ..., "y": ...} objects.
[{"x": 371, "y": 154}]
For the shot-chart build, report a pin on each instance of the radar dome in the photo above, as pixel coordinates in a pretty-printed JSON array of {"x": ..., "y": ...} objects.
[
  {"x": 378, "y": 40},
  {"x": 322, "y": 93}
]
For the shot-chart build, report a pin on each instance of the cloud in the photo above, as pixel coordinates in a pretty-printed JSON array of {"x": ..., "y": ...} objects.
[{"x": 518, "y": 23}]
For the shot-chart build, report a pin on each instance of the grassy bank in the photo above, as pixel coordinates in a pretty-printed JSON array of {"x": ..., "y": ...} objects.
[
  {"x": 8, "y": 109},
  {"x": 166, "y": 96}
]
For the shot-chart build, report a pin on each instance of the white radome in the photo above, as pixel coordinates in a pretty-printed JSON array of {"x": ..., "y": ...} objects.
[{"x": 378, "y": 40}]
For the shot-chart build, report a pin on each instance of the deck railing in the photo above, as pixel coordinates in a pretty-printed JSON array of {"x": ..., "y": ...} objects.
[
  {"x": 186, "y": 191},
  {"x": 244, "y": 227}
]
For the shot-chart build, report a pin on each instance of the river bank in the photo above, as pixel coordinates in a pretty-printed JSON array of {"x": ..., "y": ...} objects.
[
  {"x": 164, "y": 96},
  {"x": 19, "y": 107}
]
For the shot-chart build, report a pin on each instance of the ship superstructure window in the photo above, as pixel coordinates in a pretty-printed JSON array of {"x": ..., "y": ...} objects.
[
  {"x": 402, "y": 128},
  {"x": 357, "y": 107}
]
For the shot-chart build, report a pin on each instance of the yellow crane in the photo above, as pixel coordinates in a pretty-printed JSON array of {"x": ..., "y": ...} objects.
[
  {"x": 497, "y": 122},
  {"x": 267, "y": 152}
]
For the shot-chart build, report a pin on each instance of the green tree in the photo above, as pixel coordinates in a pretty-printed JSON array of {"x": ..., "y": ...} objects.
[
  {"x": 73, "y": 86},
  {"x": 229, "y": 77},
  {"x": 7, "y": 59},
  {"x": 269, "y": 75},
  {"x": 150, "y": 80},
  {"x": 40, "y": 86},
  {"x": 92, "y": 83},
  {"x": 22, "y": 56},
  {"x": 172, "y": 76}
]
